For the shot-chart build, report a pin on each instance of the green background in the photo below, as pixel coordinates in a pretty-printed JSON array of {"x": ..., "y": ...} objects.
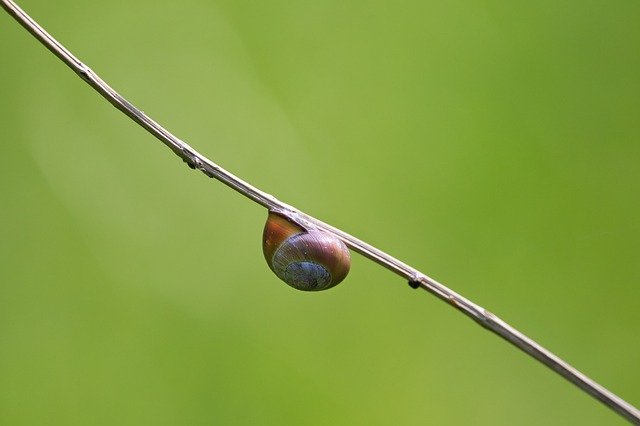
[{"x": 495, "y": 145}]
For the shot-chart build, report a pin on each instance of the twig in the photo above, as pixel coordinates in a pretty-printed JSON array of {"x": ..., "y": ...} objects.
[{"x": 416, "y": 278}]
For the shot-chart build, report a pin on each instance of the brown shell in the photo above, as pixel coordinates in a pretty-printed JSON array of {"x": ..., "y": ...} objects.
[{"x": 306, "y": 260}]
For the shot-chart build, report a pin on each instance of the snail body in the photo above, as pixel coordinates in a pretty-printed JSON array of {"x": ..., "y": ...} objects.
[{"x": 309, "y": 260}]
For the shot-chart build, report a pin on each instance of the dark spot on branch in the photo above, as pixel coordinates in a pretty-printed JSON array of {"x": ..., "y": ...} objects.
[{"x": 189, "y": 163}]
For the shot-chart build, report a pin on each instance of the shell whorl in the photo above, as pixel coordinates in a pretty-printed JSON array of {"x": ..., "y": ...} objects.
[{"x": 307, "y": 260}]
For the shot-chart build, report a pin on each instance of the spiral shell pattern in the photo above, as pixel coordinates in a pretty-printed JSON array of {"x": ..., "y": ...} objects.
[{"x": 306, "y": 260}]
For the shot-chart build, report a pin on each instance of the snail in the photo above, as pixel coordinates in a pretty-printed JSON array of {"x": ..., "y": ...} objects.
[{"x": 309, "y": 260}]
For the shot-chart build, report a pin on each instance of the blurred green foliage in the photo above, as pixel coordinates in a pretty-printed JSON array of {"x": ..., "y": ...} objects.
[{"x": 494, "y": 145}]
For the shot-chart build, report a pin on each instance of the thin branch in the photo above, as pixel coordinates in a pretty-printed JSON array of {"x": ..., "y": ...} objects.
[{"x": 416, "y": 278}]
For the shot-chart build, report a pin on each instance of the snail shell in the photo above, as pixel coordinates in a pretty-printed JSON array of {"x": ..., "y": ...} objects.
[{"x": 307, "y": 260}]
